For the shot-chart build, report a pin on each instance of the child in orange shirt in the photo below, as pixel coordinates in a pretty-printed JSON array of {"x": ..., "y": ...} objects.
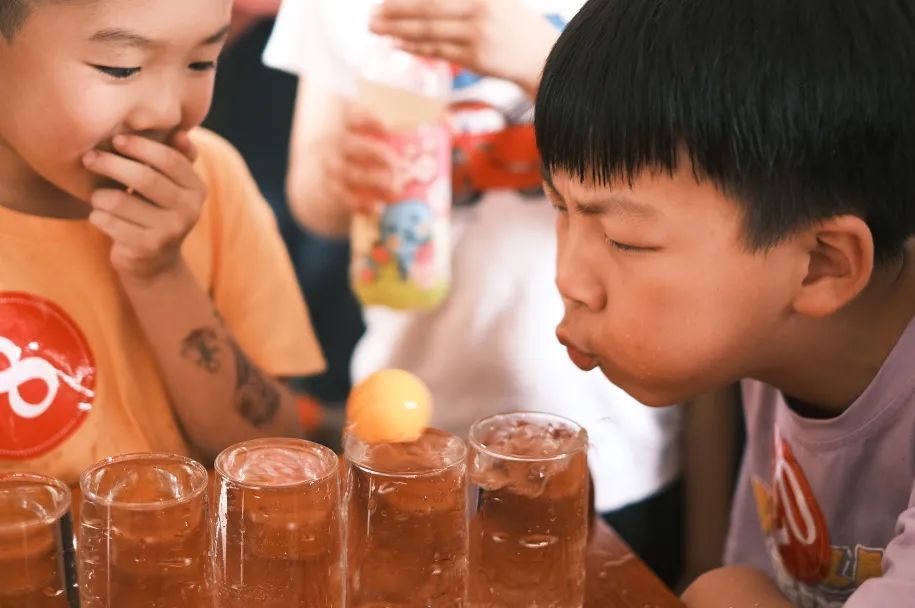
[{"x": 146, "y": 300}]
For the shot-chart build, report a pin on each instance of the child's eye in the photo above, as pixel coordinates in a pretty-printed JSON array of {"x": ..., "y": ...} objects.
[
  {"x": 624, "y": 246},
  {"x": 119, "y": 73},
  {"x": 560, "y": 208},
  {"x": 203, "y": 66}
]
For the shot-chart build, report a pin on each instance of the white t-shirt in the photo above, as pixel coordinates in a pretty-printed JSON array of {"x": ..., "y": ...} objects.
[{"x": 490, "y": 347}]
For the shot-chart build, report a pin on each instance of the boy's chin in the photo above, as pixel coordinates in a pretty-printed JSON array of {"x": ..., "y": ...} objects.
[{"x": 651, "y": 396}]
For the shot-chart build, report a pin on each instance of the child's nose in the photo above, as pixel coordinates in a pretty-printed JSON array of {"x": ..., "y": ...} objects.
[
  {"x": 576, "y": 282},
  {"x": 160, "y": 110}
]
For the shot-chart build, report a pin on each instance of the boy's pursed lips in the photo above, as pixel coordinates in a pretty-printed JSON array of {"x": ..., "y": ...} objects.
[{"x": 581, "y": 358}]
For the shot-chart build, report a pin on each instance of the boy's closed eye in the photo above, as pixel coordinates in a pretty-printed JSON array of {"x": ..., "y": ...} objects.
[
  {"x": 618, "y": 245},
  {"x": 123, "y": 73},
  {"x": 116, "y": 72},
  {"x": 628, "y": 248}
]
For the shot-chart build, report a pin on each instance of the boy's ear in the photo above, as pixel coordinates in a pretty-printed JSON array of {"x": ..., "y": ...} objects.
[{"x": 840, "y": 262}]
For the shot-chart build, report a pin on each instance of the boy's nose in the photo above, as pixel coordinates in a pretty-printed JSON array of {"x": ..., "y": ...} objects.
[
  {"x": 577, "y": 284},
  {"x": 159, "y": 111}
]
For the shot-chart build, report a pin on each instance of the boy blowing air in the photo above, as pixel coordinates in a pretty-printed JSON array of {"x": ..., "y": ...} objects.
[
  {"x": 146, "y": 300},
  {"x": 736, "y": 192}
]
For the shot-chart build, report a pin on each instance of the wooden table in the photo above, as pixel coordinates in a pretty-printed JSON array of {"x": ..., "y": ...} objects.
[{"x": 616, "y": 577}]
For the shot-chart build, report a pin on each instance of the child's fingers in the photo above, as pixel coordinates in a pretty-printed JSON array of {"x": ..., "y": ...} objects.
[
  {"x": 137, "y": 177},
  {"x": 358, "y": 118},
  {"x": 455, "y": 53},
  {"x": 118, "y": 229},
  {"x": 440, "y": 9},
  {"x": 427, "y": 30},
  {"x": 362, "y": 151},
  {"x": 127, "y": 207},
  {"x": 372, "y": 182},
  {"x": 361, "y": 187},
  {"x": 168, "y": 161},
  {"x": 355, "y": 202}
]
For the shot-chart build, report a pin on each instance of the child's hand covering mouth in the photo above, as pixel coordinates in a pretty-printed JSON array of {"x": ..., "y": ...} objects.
[
  {"x": 178, "y": 140},
  {"x": 157, "y": 201}
]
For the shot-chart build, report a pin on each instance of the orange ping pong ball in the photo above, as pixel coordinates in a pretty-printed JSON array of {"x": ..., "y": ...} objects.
[{"x": 390, "y": 406}]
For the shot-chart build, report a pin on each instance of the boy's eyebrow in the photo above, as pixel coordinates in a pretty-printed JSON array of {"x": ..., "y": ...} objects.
[
  {"x": 617, "y": 203},
  {"x": 219, "y": 36},
  {"x": 121, "y": 37},
  {"x": 124, "y": 37}
]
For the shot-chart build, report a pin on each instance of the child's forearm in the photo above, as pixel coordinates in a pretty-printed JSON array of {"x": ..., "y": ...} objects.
[
  {"x": 733, "y": 586},
  {"x": 219, "y": 395},
  {"x": 317, "y": 126}
]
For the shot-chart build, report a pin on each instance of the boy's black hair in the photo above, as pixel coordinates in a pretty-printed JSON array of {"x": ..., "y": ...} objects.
[
  {"x": 799, "y": 109},
  {"x": 12, "y": 14}
]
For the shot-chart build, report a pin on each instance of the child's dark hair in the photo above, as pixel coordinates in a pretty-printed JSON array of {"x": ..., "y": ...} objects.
[
  {"x": 799, "y": 109},
  {"x": 12, "y": 14}
]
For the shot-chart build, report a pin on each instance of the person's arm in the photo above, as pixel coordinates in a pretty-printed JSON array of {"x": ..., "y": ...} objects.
[
  {"x": 734, "y": 586},
  {"x": 338, "y": 162},
  {"x": 893, "y": 583},
  {"x": 500, "y": 38},
  {"x": 219, "y": 396},
  {"x": 317, "y": 125},
  {"x": 710, "y": 462}
]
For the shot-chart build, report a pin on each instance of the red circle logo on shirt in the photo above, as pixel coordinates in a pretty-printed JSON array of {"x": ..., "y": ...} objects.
[{"x": 47, "y": 376}]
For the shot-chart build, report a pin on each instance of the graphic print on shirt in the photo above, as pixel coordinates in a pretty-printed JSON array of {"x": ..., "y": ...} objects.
[
  {"x": 47, "y": 376},
  {"x": 811, "y": 572}
]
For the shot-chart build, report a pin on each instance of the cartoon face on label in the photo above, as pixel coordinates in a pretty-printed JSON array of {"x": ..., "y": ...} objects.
[
  {"x": 406, "y": 228},
  {"x": 47, "y": 376}
]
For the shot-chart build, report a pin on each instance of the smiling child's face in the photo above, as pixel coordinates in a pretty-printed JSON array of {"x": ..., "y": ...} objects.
[
  {"x": 660, "y": 291},
  {"x": 79, "y": 72}
]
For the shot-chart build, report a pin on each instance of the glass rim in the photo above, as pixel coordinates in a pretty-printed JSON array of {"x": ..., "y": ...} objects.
[
  {"x": 428, "y": 472},
  {"x": 199, "y": 484},
  {"x": 57, "y": 513},
  {"x": 581, "y": 442},
  {"x": 219, "y": 464}
]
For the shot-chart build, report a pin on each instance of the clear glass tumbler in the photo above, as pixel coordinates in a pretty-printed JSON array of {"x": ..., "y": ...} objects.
[
  {"x": 278, "y": 536},
  {"x": 528, "y": 532}
]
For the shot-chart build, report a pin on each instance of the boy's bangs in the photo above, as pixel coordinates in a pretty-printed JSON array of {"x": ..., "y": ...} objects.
[
  {"x": 798, "y": 110},
  {"x": 604, "y": 120}
]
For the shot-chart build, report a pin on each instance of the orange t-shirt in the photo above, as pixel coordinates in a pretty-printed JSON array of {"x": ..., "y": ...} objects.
[{"x": 78, "y": 381}]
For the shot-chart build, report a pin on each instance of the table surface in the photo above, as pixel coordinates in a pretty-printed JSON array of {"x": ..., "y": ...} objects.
[{"x": 616, "y": 577}]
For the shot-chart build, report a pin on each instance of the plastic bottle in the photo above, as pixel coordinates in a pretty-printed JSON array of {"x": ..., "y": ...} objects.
[{"x": 402, "y": 252}]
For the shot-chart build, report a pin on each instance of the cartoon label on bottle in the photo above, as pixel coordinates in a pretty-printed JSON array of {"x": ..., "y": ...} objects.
[{"x": 401, "y": 255}]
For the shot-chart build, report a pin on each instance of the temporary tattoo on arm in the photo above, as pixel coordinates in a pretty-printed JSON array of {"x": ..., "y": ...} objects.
[
  {"x": 202, "y": 347},
  {"x": 256, "y": 399}
]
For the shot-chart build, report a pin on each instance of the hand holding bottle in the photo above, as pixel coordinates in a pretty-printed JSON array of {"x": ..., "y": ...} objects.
[{"x": 361, "y": 167}]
